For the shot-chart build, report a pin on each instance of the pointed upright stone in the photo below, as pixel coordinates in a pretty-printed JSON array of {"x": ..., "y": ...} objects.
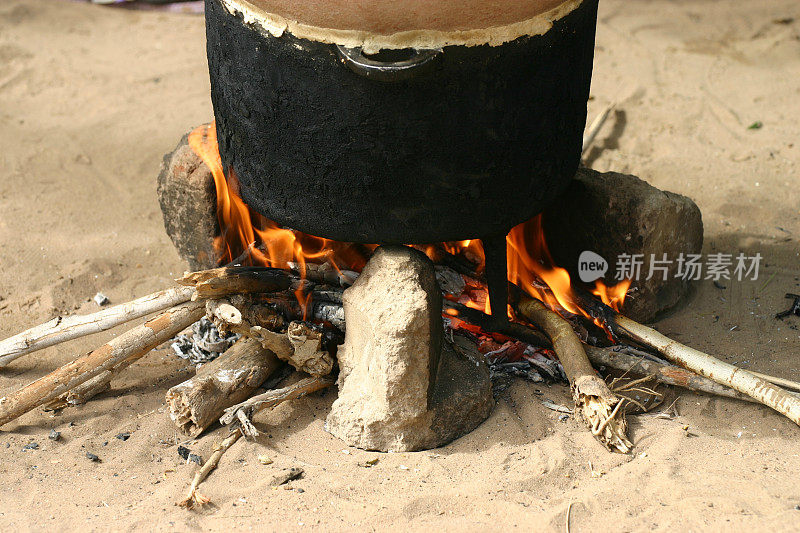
[{"x": 399, "y": 389}]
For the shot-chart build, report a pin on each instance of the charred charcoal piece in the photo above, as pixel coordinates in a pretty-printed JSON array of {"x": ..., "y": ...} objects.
[{"x": 793, "y": 310}]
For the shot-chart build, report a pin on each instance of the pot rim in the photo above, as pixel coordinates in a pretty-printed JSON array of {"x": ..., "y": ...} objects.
[{"x": 276, "y": 25}]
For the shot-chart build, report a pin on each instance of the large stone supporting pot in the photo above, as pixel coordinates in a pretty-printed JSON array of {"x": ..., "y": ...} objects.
[
  {"x": 188, "y": 200},
  {"x": 401, "y": 386},
  {"x": 613, "y": 214}
]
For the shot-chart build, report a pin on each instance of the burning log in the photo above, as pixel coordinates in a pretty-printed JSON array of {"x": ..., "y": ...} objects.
[
  {"x": 485, "y": 322},
  {"x": 130, "y": 345},
  {"x": 243, "y": 412},
  {"x": 231, "y": 378},
  {"x": 62, "y": 329},
  {"x": 598, "y": 406},
  {"x": 324, "y": 273},
  {"x": 318, "y": 311},
  {"x": 301, "y": 345},
  {"x": 222, "y": 281}
]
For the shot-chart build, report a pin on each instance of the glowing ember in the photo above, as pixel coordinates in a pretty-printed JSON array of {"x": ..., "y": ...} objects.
[{"x": 530, "y": 264}]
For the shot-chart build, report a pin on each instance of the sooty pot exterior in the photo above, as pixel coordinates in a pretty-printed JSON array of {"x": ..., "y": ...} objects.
[{"x": 481, "y": 139}]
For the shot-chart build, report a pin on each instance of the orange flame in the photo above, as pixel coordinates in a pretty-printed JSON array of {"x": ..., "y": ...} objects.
[
  {"x": 529, "y": 258},
  {"x": 240, "y": 226},
  {"x": 530, "y": 264}
]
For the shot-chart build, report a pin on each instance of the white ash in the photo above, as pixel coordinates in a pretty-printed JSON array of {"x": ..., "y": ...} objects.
[{"x": 205, "y": 344}]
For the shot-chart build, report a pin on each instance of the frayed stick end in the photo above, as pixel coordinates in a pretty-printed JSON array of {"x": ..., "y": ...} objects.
[
  {"x": 194, "y": 499},
  {"x": 602, "y": 412}
]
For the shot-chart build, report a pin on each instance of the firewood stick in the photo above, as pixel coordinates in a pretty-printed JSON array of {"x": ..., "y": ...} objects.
[
  {"x": 243, "y": 412},
  {"x": 597, "y": 405},
  {"x": 222, "y": 281},
  {"x": 666, "y": 374},
  {"x": 91, "y": 388},
  {"x": 301, "y": 346},
  {"x": 62, "y": 329},
  {"x": 706, "y": 365},
  {"x": 194, "y": 497},
  {"x": 229, "y": 379},
  {"x": 133, "y": 344},
  {"x": 595, "y": 126}
]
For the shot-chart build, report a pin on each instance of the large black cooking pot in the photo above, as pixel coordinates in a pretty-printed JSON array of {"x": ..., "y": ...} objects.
[
  {"x": 479, "y": 139},
  {"x": 403, "y": 147}
]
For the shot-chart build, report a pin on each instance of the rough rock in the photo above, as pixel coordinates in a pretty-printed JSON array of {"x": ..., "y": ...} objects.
[
  {"x": 188, "y": 201},
  {"x": 401, "y": 388},
  {"x": 613, "y": 214}
]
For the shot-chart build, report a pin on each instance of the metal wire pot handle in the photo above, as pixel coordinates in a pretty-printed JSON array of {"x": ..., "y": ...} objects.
[{"x": 374, "y": 68}]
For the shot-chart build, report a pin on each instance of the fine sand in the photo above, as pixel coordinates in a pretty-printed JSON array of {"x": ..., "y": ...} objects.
[{"x": 90, "y": 99}]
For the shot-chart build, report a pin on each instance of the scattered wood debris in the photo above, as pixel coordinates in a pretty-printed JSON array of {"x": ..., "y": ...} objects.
[{"x": 285, "y": 476}]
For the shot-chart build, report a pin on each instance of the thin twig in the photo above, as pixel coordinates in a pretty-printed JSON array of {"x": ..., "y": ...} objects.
[
  {"x": 569, "y": 510},
  {"x": 595, "y": 126},
  {"x": 194, "y": 497},
  {"x": 243, "y": 412}
]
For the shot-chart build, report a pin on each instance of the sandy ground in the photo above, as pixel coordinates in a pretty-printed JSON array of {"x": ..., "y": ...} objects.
[{"x": 90, "y": 99}]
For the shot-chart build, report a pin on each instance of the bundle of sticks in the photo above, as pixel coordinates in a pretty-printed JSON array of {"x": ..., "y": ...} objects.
[{"x": 259, "y": 304}]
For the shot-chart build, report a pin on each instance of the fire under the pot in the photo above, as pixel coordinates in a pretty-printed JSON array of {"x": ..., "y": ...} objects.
[{"x": 530, "y": 264}]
